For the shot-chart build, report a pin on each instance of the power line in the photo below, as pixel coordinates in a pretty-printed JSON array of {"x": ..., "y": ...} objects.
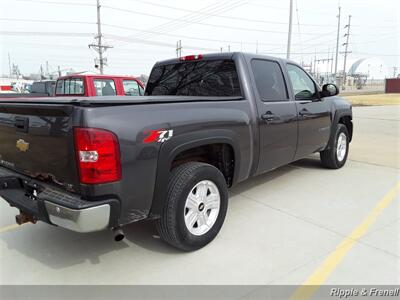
[
  {"x": 216, "y": 8},
  {"x": 188, "y": 37},
  {"x": 47, "y": 21},
  {"x": 203, "y": 24},
  {"x": 149, "y": 42},
  {"x": 37, "y": 33},
  {"x": 58, "y": 2},
  {"x": 168, "y": 26},
  {"x": 224, "y": 17},
  {"x": 192, "y": 18}
]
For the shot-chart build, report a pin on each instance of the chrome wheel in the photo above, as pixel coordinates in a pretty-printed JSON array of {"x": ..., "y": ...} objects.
[
  {"x": 341, "y": 147},
  {"x": 202, "y": 207}
]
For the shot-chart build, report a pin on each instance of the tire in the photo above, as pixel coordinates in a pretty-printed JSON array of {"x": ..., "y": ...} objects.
[
  {"x": 193, "y": 178},
  {"x": 333, "y": 158}
]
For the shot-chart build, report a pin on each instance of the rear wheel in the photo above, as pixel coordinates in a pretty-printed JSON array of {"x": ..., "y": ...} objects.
[
  {"x": 195, "y": 207},
  {"x": 335, "y": 157}
]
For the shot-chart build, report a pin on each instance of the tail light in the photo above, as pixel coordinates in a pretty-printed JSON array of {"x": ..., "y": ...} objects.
[
  {"x": 191, "y": 57},
  {"x": 98, "y": 155}
]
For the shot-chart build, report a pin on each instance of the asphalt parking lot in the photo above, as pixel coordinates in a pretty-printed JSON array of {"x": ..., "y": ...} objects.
[{"x": 297, "y": 224}]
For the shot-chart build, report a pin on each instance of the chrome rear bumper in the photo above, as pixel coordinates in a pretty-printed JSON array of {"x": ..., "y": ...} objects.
[{"x": 80, "y": 220}]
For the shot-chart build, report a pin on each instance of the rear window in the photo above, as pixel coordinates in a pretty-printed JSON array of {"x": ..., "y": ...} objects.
[
  {"x": 72, "y": 86},
  {"x": 216, "y": 78}
]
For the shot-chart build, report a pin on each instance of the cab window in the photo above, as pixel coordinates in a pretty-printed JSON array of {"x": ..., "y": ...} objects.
[
  {"x": 104, "y": 87},
  {"x": 303, "y": 86},
  {"x": 269, "y": 80},
  {"x": 132, "y": 88}
]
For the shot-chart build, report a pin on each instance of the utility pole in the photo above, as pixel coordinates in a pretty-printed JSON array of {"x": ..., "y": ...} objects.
[
  {"x": 229, "y": 48},
  {"x": 257, "y": 47},
  {"x": 289, "y": 41},
  {"x": 347, "y": 35},
  {"x": 179, "y": 48},
  {"x": 99, "y": 47},
  {"x": 337, "y": 45},
  {"x": 394, "y": 72},
  {"x": 59, "y": 71},
  {"x": 9, "y": 64}
]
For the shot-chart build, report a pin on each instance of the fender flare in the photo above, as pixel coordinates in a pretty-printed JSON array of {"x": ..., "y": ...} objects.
[
  {"x": 170, "y": 149},
  {"x": 337, "y": 116}
]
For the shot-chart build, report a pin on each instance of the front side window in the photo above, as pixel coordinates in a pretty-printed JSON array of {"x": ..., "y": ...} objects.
[
  {"x": 269, "y": 80},
  {"x": 303, "y": 86},
  {"x": 104, "y": 87},
  {"x": 132, "y": 88},
  {"x": 208, "y": 78},
  {"x": 70, "y": 86}
]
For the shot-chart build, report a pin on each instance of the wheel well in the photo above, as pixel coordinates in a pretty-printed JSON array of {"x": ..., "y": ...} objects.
[
  {"x": 220, "y": 156},
  {"x": 346, "y": 120}
]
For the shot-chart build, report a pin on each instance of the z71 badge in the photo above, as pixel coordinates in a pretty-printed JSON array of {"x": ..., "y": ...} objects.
[{"x": 158, "y": 136}]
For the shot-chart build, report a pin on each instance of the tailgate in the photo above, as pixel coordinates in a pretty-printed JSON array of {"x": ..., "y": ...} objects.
[{"x": 37, "y": 140}]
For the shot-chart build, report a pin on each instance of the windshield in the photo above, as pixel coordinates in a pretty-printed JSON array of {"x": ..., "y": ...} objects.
[{"x": 217, "y": 78}]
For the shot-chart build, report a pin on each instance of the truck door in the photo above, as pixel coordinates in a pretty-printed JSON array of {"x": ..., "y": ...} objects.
[
  {"x": 313, "y": 113},
  {"x": 277, "y": 115}
]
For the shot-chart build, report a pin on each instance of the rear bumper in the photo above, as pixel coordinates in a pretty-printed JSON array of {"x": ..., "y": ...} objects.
[{"x": 56, "y": 207}]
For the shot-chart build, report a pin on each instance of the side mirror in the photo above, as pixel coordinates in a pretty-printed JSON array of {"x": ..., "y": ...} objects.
[{"x": 329, "y": 90}]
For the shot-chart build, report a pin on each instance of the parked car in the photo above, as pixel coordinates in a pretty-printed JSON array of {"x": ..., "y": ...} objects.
[
  {"x": 98, "y": 85},
  {"x": 206, "y": 124},
  {"x": 37, "y": 89}
]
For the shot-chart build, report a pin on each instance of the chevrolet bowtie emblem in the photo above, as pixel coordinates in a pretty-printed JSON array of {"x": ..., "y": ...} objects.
[{"x": 22, "y": 145}]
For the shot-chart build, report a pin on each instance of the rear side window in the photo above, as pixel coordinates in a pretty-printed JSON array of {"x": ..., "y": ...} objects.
[
  {"x": 269, "y": 80},
  {"x": 104, "y": 87},
  {"x": 71, "y": 86},
  {"x": 216, "y": 78},
  {"x": 132, "y": 88}
]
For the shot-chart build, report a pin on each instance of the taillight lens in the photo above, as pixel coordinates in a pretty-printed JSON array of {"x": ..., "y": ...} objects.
[{"x": 98, "y": 155}]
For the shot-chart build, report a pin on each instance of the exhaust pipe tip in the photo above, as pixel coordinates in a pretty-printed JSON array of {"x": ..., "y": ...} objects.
[
  {"x": 23, "y": 218},
  {"x": 118, "y": 234}
]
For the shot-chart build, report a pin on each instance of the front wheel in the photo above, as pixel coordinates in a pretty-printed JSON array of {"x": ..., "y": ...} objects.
[
  {"x": 335, "y": 157},
  {"x": 195, "y": 207}
]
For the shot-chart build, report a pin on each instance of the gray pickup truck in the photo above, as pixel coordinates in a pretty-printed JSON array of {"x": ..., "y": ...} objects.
[{"x": 206, "y": 123}]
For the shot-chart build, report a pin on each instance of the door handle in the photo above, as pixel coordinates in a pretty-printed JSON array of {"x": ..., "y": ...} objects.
[
  {"x": 305, "y": 113},
  {"x": 22, "y": 124},
  {"x": 269, "y": 116}
]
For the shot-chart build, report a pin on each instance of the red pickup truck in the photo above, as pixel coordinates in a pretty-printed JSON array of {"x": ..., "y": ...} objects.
[
  {"x": 83, "y": 85},
  {"x": 98, "y": 85}
]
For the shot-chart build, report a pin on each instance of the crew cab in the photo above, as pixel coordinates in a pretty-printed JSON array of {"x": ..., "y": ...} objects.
[{"x": 205, "y": 124}]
